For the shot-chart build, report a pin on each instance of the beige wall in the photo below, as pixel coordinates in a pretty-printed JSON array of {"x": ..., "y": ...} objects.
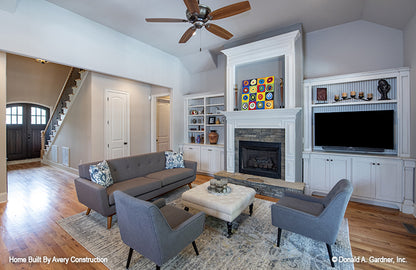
[
  {"x": 32, "y": 82},
  {"x": 83, "y": 128},
  {"x": 139, "y": 113},
  {"x": 3, "y": 173}
]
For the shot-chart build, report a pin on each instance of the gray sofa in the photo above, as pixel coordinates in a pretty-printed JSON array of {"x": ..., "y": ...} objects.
[{"x": 142, "y": 176}]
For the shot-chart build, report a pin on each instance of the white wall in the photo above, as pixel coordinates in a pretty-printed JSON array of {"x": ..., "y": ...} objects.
[
  {"x": 41, "y": 29},
  {"x": 3, "y": 173},
  {"x": 410, "y": 61},
  {"x": 352, "y": 47}
]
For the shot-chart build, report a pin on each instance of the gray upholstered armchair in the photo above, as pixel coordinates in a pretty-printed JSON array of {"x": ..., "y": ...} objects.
[
  {"x": 156, "y": 230},
  {"x": 316, "y": 218}
]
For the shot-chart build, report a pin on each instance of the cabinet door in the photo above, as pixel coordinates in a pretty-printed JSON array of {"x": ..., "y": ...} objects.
[
  {"x": 389, "y": 180},
  {"x": 340, "y": 168},
  {"x": 206, "y": 158},
  {"x": 319, "y": 173},
  {"x": 192, "y": 153},
  {"x": 363, "y": 172}
]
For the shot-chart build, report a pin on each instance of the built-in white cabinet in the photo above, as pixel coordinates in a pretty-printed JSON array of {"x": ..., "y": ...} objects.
[
  {"x": 383, "y": 177},
  {"x": 327, "y": 170},
  {"x": 375, "y": 177},
  {"x": 192, "y": 153},
  {"x": 210, "y": 159}
]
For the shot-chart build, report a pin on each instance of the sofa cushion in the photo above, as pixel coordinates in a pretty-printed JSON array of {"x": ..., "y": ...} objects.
[
  {"x": 133, "y": 187},
  {"x": 136, "y": 166},
  {"x": 313, "y": 208},
  {"x": 170, "y": 176}
]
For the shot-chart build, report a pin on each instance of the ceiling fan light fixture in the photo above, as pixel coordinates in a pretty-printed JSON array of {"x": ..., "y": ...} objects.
[{"x": 200, "y": 15}]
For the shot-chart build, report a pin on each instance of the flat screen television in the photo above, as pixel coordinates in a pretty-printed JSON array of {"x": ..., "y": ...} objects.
[{"x": 360, "y": 131}]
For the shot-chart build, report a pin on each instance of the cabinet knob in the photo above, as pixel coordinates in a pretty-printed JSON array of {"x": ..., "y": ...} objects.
[
  {"x": 373, "y": 163},
  {"x": 327, "y": 159},
  {"x": 378, "y": 164},
  {"x": 210, "y": 150}
]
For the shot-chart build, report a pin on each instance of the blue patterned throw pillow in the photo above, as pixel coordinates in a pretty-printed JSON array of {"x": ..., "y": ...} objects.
[
  {"x": 174, "y": 160},
  {"x": 101, "y": 174}
]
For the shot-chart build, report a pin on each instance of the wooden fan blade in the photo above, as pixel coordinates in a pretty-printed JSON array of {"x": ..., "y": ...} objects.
[
  {"x": 230, "y": 10},
  {"x": 164, "y": 20},
  {"x": 192, "y": 6},
  {"x": 219, "y": 31},
  {"x": 188, "y": 34}
]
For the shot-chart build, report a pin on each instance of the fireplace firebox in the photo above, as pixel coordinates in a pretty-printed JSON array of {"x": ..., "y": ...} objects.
[{"x": 260, "y": 158}]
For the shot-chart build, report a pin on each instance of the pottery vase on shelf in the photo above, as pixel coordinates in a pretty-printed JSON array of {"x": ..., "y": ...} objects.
[
  {"x": 213, "y": 137},
  {"x": 198, "y": 139}
]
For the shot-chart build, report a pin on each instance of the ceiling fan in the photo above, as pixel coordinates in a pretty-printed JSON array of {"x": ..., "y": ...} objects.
[{"x": 200, "y": 15}]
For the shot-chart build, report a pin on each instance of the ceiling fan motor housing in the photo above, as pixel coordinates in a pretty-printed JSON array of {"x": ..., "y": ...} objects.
[{"x": 199, "y": 19}]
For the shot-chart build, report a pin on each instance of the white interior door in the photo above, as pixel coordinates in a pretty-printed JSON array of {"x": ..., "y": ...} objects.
[
  {"x": 163, "y": 123},
  {"x": 117, "y": 124}
]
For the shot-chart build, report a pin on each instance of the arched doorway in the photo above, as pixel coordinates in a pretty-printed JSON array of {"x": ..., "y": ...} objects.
[{"x": 24, "y": 122}]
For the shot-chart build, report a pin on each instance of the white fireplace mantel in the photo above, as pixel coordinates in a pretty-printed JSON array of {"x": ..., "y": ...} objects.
[
  {"x": 289, "y": 46},
  {"x": 287, "y": 119}
]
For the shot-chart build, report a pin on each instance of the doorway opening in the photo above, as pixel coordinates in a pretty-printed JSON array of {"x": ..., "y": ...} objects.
[
  {"x": 161, "y": 127},
  {"x": 24, "y": 123}
]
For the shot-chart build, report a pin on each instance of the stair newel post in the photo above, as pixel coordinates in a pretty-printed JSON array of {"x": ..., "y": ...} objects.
[{"x": 42, "y": 143}]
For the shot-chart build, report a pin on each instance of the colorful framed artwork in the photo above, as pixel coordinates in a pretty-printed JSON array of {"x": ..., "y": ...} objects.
[{"x": 258, "y": 94}]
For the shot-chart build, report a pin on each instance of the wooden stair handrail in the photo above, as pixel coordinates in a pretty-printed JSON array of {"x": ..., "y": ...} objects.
[{"x": 53, "y": 112}]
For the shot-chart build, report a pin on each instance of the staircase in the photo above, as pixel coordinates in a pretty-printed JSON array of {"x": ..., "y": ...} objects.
[{"x": 68, "y": 94}]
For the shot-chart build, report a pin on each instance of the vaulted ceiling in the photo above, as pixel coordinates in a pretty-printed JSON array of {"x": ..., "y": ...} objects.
[{"x": 128, "y": 17}]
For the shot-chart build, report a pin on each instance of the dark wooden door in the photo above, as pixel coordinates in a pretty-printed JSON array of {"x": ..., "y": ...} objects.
[{"x": 24, "y": 123}]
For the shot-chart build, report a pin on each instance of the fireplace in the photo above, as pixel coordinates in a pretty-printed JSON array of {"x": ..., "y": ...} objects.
[{"x": 260, "y": 158}]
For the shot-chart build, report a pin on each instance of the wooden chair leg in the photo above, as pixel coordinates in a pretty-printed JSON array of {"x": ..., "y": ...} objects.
[
  {"x": 195, "y": 248},
  {"x": 129, "y": 258},
  {"x": 109, "y": 220},
  {"x": 88, "y": 211},
  {"x": 330, "y": 254},
  {"x": 189, "y": 185},
  {"x": 279, "y": 234}
]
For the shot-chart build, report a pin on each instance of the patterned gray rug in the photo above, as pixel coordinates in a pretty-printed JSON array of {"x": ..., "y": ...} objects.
[{"x": 252, "y": 246}]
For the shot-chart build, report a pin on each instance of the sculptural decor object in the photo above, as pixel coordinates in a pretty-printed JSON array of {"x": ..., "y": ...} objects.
[{"x": 383, "y": 87}]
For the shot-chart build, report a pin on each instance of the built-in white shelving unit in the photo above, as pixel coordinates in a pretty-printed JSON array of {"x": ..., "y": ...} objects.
[
  {"x": 386, "y": 178},
  {"x": 201, "y": 118}
]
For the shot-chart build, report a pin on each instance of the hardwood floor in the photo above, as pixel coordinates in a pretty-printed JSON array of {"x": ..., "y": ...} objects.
[{"x": 40, "y": 195}]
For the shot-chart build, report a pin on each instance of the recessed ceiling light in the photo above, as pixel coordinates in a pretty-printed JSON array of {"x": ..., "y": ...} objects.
[{"x": 42, "y": 61}]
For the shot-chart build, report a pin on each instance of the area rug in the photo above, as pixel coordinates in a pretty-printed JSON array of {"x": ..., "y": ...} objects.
[{"x": 252, "y": 246}]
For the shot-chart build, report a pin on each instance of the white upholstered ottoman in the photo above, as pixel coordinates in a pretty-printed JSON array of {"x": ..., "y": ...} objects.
[{"x": 226, "y": 207}]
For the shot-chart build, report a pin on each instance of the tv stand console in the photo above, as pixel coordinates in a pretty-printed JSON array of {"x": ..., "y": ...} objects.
[{"x": 380, "y": 179}]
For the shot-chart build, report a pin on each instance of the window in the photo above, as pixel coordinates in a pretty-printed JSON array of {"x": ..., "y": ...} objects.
[
  {"x": 14, "y": 115},
  {"x": 37, "y": 116}
]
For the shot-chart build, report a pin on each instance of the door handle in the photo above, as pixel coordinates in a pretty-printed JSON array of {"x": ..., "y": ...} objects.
[{"x": 125, "y": 143}]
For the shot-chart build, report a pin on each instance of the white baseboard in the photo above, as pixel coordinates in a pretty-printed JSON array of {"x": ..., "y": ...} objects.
[
  {"x": 60, "y": 166},
  {"x": 408, "y": 207},
  {"x": 3, "y": 197}
]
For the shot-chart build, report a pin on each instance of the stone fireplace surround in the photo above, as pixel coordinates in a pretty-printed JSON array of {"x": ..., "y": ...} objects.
[{"x": 269, "y": 135}]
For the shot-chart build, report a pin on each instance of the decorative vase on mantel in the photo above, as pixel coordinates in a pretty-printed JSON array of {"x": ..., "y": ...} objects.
[{"x": 213, "y": 137}]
